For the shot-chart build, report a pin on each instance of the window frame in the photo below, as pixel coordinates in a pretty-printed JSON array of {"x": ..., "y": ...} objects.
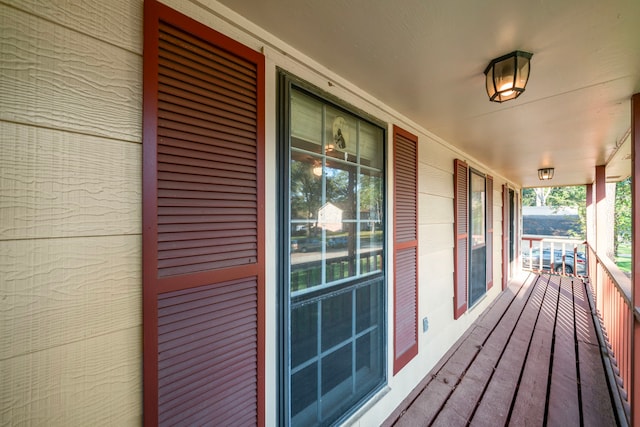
[
  {"x": 485, "y": 234},
  {"x": 286, "y": 83}
]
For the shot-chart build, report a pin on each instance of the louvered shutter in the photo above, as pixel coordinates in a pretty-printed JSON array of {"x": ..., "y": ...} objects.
[
  {"x": 489, "y": 212},
  {"x": 461, "y": 238},
  {"x": 516, "y": 216},
  {"x": 405, "y": 189},
  {"x": 505, "y": 236},
  {"x": 203, "y": 225}
]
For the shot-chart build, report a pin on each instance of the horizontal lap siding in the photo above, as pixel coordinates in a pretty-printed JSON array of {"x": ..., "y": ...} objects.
[
  {"x": 204, "y": 225},
  {"x": 70, "y": 132},
  {"x": 406, "y": 247}
]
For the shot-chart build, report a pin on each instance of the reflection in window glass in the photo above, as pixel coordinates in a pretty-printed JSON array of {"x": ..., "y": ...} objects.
[
  {"x": 341, "y": 135},
  {"x": 369, "y": 137},
  {"x": 477, "y": 209},
  {"x": 478, "y": 249},
  {"x": 306, "y": 189},
  {"x": 306, "y": 122},
  {"x": 335, "y": 340},
  {"x": 341, "y": 188}
]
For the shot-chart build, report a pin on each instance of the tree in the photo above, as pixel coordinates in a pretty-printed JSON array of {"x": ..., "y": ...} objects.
[
  {"x": 528, "y": 197},
  {"x": 558, "y": 197},
  {"x": 575, "y": 196},
  {"x": 536, "y": 196},
  {"x": 306, "y": 192},
  {"x": 623, "y": 213}
]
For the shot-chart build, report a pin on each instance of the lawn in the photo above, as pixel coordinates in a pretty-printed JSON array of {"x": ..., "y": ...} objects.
[{"x": 623, "y": 258}]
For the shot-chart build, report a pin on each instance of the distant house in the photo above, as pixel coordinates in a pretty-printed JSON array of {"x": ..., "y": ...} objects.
[{"x": 550, "y": 221}]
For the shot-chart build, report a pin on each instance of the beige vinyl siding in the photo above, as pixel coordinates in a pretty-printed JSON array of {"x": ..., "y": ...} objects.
[
  {"x": 70, "y": 192},
  {"x": 62, "y": 184},
  {"x": 58, "y": 78}
]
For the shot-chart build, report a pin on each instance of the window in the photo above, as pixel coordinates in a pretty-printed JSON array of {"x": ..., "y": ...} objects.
[
  {"x": 473, "y": 244},
  {"x": 333, "y": 258},
  {"x": 478, "y": 230}
]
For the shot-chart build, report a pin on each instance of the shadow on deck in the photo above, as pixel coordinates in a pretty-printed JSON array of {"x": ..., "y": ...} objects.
[{"x": 532, "y": 358}]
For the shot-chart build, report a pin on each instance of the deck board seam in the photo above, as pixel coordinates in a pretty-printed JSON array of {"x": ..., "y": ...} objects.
[
  {"x": 524, "y": 362},
  {"x": 506, "y": 345},
  {"x": 528, "y": 286},
  {"x": 577, "y": 353},
  {"x": 393, "y": 420},
  {"x": 535, "y": 347},
  {"x": 553, "y": 344}
]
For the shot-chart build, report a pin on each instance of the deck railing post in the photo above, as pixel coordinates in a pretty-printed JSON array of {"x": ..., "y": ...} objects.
[{"x": 634, "y": 398}]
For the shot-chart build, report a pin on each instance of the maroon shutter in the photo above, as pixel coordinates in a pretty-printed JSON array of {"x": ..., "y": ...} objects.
[
  {"x": 489, "y": 212},
  {"x": 203, "y": 225},
  {"x": 405, "y": 214},
  {"x": 461, "y": 241},
  {"x": 516, "y": 216},
  {"x": 505, "y": 236}
]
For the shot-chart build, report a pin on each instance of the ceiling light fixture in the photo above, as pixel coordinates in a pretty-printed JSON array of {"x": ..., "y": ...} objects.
[
  {"x": 545, "y": 174},
  {"x": 317, "y": 168},
  {"x": 507, "y": 76}
]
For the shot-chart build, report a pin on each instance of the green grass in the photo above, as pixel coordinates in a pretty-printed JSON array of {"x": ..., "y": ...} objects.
[
  {"x": 623, "y": 258},
  {"x": 624, "y": 264}
]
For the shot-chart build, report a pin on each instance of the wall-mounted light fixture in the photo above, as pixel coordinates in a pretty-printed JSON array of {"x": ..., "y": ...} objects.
[
  {"x": 507, "y": 76},
  {"x": 545, "y": 174}
]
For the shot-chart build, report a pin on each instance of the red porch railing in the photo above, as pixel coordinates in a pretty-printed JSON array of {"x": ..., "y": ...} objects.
[{"x": 618, "y": 317}]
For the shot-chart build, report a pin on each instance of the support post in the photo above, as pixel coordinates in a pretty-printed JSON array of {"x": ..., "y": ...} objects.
[
  {"x": 600, "y": 228},
  {"x": 634, "y": 387},
  {"x": 591, "y": 216}
]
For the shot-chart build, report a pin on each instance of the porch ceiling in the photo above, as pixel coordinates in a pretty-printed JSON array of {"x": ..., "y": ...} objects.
[{"x": 426, "y": 59}]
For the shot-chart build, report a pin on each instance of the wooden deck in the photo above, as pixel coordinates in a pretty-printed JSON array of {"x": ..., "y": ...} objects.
[{"x": 531, "y": 359}]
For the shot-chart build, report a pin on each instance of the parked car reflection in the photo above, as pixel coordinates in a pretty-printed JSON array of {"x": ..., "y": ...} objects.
[
  {"x": 310, "y": 244},
  {"x": 532, "y": 261}
]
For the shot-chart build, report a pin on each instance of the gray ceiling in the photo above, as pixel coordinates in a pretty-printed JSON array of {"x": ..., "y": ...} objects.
[{"x": 426, "y": 59}]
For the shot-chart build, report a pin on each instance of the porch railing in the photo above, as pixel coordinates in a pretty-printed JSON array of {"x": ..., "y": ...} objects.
[
  {"x": 615, "y": 315},
  {"x": 562, "y": 256},
  {"x": 309, "y": 274},
  {"x": 618, "y": 317}
]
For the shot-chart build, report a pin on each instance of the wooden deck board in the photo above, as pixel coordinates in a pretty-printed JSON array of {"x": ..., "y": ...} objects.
[
  {"x": 596, "y": 402},
  {"x": 529, "y": 407},
  {"x": 498, "y": 372},
  {"x": 564, "y": 405},
  {"x": 496, "y": 402},
  {"x": 477, "y": 376},
  {"x": 438, "y": 386}
]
